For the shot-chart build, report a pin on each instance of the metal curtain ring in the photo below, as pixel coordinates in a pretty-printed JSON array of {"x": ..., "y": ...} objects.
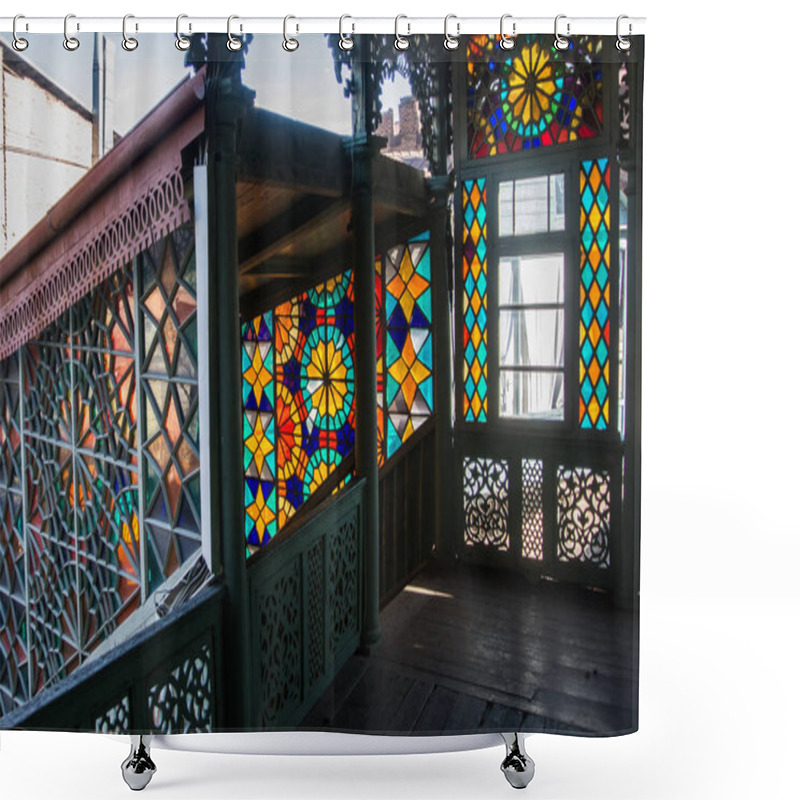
[
  {"x": 19, "y": 44},
  {"x": 400, "y": 42},
  {"x": 346, "y": 42},
  {"x": 289, "y": 44},
  {"x": 623, "y": 43},
  {"x": 451, "y": 42},
  {"x": 234, "y": 44},
  {"x": 561, "y": 43},
  {"x": 128, "y": 42},
  {"x": 70, "y": 42},
  {"x": 507, "y": 42},
  {"x": 181, "y": 42}
]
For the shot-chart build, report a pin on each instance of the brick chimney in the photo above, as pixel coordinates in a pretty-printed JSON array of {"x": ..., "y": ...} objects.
[
  {"x": 410, "y": 136},
  {"x": 386, "y": 128}
]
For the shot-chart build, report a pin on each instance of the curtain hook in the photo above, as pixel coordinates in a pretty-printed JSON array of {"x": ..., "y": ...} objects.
[
  {"x": 623, "y": 43},
  {"x": 19, "y": 44},
  {"x": 70, "y": 42},
  {"x": 234, "y": 44},
  {"x": 451, "y": 42},
  {"x": 181, "y": 42},
  {"x": 400, "y": 42},
  {"x": 346, "y": 42},
  {"x": 128, "y": 42},
  {"x": 562, "y": 43},
  {"x": 507, "y": 42},
  {"x": 289, "y": 45}
]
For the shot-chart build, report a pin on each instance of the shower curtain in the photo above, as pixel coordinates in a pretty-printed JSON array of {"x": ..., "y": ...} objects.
[{"x": 319, "y": 385}]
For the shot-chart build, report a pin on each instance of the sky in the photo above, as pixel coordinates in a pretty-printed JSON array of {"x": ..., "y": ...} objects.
[{"x": 142, "y": 77}]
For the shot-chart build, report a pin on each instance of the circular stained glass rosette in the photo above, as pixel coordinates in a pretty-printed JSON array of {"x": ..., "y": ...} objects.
[
  {"x": 320, "y": 465},
  {"x": 327, "y": 388},
  {"x": 530, "y": 90},
  {"x": 329, "y": 294}
]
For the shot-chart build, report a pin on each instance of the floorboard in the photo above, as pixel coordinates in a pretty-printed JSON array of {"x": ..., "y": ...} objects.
[{"x": 475, "y": 649}]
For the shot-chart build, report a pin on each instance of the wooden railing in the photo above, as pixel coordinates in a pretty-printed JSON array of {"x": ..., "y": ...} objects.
[
  {"x": 305, "y": 592},
  {"x": 166, "y": 679},
  {"x": 407, "y": 511}
]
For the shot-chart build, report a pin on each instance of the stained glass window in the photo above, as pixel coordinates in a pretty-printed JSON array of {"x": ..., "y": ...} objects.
[
  {"x": 531, "y": 96},
  {"x": 258, "y": 399},
  {"x": 298, "y": 383},
  {"x": 409, "y": 340},
  {"x": 380, "y": 333},
  {"x": 314, "y": 389},
  {"x": 13, "y": 624},
  {"x": 73, "y": 563},
  {"x": 473, "y": 205},
  {"x": 594, "y": 304},
  {"x": 171, "y": 428}
]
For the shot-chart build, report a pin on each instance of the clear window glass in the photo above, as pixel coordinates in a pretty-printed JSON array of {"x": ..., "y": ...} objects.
[
  {"x": 532, "y": 205},
  {"x": 531, "y": 336}
]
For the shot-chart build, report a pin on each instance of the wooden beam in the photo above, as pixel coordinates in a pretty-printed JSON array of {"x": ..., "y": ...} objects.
[
  {"x": 285, "y": 152},
  {"x": 399, "y": 187},
  {"x": 291, "y": 277},
  {"x": 275, "y": 234}
]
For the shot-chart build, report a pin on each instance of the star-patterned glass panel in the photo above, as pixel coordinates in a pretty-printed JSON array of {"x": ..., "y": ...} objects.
[
  {"x": 474, "y": 308},
  {"x": 409, "y": 340},
  {"x": 171, "y": 426},
  {"x": 51, "y": 544},
  {"x": 533, "y": 95},
  {"x": 105, "y": 490},
  {"x": 258, "y": 401},
  {"x": 594, "y": 304},
  {"x": 14, "y": 688}
]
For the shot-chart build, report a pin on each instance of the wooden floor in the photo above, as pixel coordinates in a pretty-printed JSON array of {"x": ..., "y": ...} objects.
[{"x": 471, "y": 649}]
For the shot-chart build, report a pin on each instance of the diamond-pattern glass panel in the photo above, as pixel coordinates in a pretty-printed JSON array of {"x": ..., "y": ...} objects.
[
  {"x": 258, "y": 399},
  {"x": 473, "y": 205},
  {"x": 533, "y": 95},
  {"x": 380, "y": 358},
  {"x": 171, "y": 427},
  {"x": 409, "y": 340},
  {"x": 594, "y": 305}
]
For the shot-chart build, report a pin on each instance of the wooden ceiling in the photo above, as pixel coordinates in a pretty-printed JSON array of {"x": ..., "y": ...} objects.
[{"x": 293, "y": 207}]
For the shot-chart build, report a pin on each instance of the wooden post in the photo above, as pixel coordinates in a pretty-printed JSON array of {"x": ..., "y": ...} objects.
[
  {"x": 441, "y": 269},
  {"x": 226, "y": 102},
  {"x": 362, "y": 147}
]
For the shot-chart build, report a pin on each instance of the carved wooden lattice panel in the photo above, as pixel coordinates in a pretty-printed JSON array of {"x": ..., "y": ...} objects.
[
  {"x": 315, "y": 582},
  {"x": 280, "y": 645},
  {"x": 116, "y": 719},
  {"x": 584, "y": 515},
  {"x": 486, "y": 503},
  {"x": 182, "y": 701},
  {"x": 343, "y": 583},
  {"x": 532, "y": 508}
]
